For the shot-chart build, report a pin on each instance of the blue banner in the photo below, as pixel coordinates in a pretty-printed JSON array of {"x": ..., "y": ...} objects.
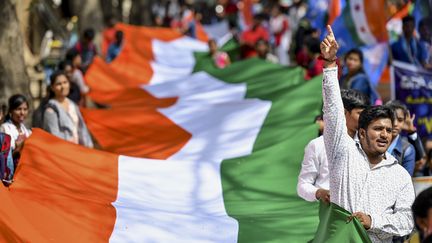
[{"x": 413, "y": 86}]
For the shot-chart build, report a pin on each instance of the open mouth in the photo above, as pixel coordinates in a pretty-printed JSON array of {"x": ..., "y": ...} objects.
[{"x": 382, "y": 142}]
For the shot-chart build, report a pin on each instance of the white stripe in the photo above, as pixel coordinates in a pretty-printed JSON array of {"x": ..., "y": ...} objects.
[
  {"x": 171, "y": 201},
  {"x": 219, "y": 131},
  {"x": 180, "y": 200},
  {"x": 359, "y": 20},
  {"x": 198, "y": 87},
  {"x": 174, "y": 59}
]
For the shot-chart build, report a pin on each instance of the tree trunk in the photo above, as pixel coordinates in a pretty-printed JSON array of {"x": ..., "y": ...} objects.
[
  {"x": 89, "y": 14},
  {"x": 13, "y": 76}
]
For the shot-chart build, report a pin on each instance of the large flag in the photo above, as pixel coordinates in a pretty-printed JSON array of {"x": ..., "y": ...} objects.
[
  {"x": 362, "y": 25},
  {"x": 220, "y": 153},
  {"x": 320, "y": 13},
  {"x": 362, "y": 22},
  {"x": 375, "y": 60},
  {"x": 252, "y": 116}
]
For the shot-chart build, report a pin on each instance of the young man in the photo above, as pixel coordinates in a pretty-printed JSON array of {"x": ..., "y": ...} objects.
[
  {"x": 364, "y": 179},
  {"x": 400, "y": 147},
  {"x": 313, "y": 180},
  {"x": 424, "y": 29},
  {"x": 408, "y": 48}
]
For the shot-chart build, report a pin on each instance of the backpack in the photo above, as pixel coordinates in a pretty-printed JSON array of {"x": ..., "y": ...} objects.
[{"x": 405, "y": 146}]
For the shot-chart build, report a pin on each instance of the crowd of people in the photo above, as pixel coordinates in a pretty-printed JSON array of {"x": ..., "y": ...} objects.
[
  {"x": 364, "y": 163},
  {"x": 381, "y": 136}
]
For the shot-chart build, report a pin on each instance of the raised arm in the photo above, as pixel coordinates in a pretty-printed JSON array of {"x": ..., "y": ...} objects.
[{"x": 335, "y": 131}]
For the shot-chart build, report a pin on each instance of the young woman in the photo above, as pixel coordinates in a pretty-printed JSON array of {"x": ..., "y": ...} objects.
[
  {"x": 15, "y": 128},
  {"x": 72, "y": 67},
  {"x": 355, "y": 77},
  {"x": 61, "y": 116},
  {"x": 220, "y": 58}
]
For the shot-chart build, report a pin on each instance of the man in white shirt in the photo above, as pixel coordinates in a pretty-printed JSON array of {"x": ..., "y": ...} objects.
[
  {"x": 364, "y": 178},
  {"x": 313, "y": 180}
]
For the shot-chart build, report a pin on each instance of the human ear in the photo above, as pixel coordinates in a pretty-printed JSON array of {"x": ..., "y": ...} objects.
[{"x": 362, "y": 133}]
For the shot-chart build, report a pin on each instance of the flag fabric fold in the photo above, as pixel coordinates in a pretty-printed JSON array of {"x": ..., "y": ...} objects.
[{"x": 220, "y": 151}]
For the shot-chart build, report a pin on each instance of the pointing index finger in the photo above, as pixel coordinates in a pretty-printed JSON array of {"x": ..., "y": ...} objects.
[{"x": 330, "y": 31}]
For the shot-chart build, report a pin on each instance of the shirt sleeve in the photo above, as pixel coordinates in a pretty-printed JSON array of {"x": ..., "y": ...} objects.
[
  {"x": 306, "y": 188},
  {"x": 336, "y": 136},
  {"x": 399, "y": 222}
]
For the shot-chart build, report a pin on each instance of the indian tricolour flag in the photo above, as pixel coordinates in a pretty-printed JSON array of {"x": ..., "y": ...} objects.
[{"x": 192, "y": 153}]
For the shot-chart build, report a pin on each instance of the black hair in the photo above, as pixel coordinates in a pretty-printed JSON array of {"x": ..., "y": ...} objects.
[
  {"x": 370, "y": 114},
  {"x": 14, "y": 102},
  {"x": 63, "y": 64},
  {"x": 357, "y": 52},
  {"x": 71, "y": 54},
  {"x": 422, "y": 203},
  {"x": 396, "y": 105},
  {"x": 425, "y": 22},
  {"x": 262, "y": 41},
  {"x": 354, "y": 99},
  {"x": 3, "y": 108},
  {"x": 119, "y": 35},
  {"x": 53, "y": 78},
  {"x": 313, "y": 44},
  {"x": 55, "y": 75},
  {"x": 407, "y": 19},
  {"x": 89, "y": 34}
]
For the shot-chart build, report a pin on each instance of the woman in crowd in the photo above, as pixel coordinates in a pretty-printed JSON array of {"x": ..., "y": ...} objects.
[
  {"x": 61, "y": 116},
  {"x": 75, "y": 74},
  {"x": 354, "y": 76},
  {"x": 15, "y": 128},
  {"x": 220, "y": 58}
]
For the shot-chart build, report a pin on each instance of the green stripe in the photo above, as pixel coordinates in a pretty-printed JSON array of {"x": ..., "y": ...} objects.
[
  {"x": 260, "y": 189},
  {"x": 335, "y": 226}
]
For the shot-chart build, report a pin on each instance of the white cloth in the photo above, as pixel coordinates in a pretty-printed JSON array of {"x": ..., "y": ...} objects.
[
  {"x": 276, "y": 26},
  {"x": 385, "y": 192},
  {"x": 9, "y": 128},
  {"x": 314, "y": 172},
  {"x": 78, "y": 78}
]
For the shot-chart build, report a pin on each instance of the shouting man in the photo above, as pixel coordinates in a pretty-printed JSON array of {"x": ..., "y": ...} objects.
[{"x": 364, "y": 178}]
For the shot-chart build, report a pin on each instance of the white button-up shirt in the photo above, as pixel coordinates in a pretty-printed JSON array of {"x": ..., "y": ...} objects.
[
  {"x": 385, "y": 191},
  {"x": 314, "y": 172},
  {"x": 9, "y": 128}
]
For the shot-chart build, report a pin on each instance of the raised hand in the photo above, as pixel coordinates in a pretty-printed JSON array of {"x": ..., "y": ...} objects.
[
  {"x": 409, "y": 124},
  {"x": 329, "y": 46}
]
